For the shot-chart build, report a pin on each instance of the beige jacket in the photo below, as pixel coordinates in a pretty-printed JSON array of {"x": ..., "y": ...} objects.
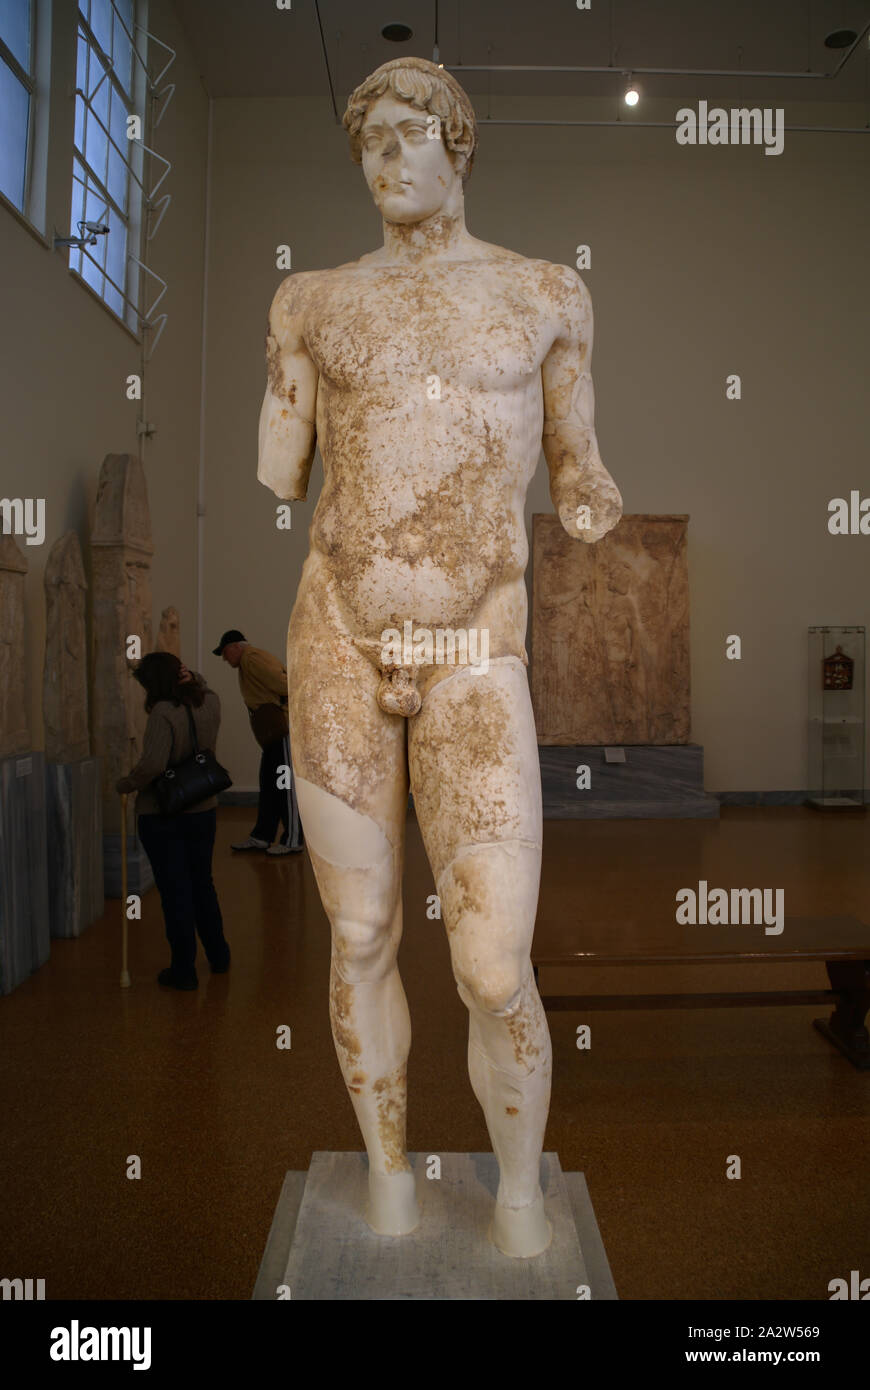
[{"x": 262, "y": 678}]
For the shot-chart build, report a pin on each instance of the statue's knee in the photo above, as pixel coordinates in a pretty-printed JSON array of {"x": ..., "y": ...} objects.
[
  {"x": 363, "y": 950},
  {"x": 492, "y": 983}
]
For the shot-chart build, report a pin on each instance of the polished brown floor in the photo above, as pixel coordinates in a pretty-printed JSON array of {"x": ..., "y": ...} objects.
[{"x": 195, "y": 1086}]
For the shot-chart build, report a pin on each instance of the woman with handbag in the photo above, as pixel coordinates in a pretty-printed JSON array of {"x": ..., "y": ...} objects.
[{"x": 177, "y": 780}]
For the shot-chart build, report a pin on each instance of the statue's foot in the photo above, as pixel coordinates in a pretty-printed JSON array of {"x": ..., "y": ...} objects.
[
  {"x": 392, "y": 1207},
  {"x": 521, "y": 1231}
]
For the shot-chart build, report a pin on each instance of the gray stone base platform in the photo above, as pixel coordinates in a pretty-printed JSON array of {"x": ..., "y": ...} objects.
[
  {"x": 320, "y": 1246},
  {"x": 74, "y": 816},
  {"x": 24, "y": 926},
  {"x": 139, "y": 874},
  {"x": 656, "y": 783}
]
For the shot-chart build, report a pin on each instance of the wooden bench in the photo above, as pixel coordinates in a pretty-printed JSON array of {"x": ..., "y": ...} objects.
[{"x": 843, "y": 943}]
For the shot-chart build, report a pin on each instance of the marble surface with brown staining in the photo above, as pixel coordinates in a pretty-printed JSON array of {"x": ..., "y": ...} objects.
[
  {"x": 431, "y": 373},
  {"x": 121, "y": 551},
  {"x": 390, "y": 1093},
  {"x": 65, "y": 673},
  {"x": 169, "y": 632},
  {"x": 610, "y": 634}
]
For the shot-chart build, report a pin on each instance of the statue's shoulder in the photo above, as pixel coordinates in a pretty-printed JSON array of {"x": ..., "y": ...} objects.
[
  {"x": 292, "y": 295},
  {"x": 562, "y": 292},
  {"x": 560, "y": 284},
  {"x": 304, "y": 285}
]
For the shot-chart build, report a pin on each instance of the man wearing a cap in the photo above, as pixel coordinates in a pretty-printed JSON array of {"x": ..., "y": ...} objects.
[{"x": 263, "y": 684}]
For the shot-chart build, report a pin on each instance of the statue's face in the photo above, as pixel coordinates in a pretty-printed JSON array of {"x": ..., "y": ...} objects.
[{"x": 411, "y": 176}]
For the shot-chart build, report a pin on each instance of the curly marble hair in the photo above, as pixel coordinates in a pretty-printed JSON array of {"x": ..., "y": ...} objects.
[{"x": 429, "y": 88}]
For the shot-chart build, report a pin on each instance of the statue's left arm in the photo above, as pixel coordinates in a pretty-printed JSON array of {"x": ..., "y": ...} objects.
[{"x": 578, "y": 479}]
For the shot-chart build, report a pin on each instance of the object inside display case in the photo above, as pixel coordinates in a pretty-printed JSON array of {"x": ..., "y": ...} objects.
[
  {"x": 836, "y": 717},
  {"x": 837, "y": 671}
]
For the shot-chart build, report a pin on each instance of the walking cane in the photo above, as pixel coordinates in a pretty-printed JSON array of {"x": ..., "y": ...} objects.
[{"x": 125, "y": 974}]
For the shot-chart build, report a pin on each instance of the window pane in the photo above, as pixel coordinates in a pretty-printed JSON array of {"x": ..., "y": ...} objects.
[
  {"x": 116, "y": 260},
  {"x": 96, "y": 146},
  {"x": 118, "y": 124},
  {"x": 122, "y": 52},
  {"x": 82, "y": 63},
  {"x": 91, "y": 272},
  {"x": 101, "y": 23},
  {"x": 14, "y": 108},
  {"x": 95, "y": 210},
  {"x": 80, "y": 124},
  {"x": 15, "y": 28},
  {"x": 99, "y": 93},
  {"x": 76, "y": 209},
  {"x": 117, "y": 182}
]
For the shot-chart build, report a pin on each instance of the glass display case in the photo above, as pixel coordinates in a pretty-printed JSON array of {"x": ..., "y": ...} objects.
[{"x": 836, "y": 716}]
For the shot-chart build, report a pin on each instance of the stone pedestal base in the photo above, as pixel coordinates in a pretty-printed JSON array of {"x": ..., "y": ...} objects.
[
  {"x": 139, "y": 875},
  {"x": 74, "y": 816},
  {"x": 651, "y": 783},
  {"x": 24, "y": 921},
  {"x": 320, "y": 1246}
]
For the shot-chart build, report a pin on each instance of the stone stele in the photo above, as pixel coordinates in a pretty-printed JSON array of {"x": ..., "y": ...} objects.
[
  {"x": 65, "y": 674},
  {"x": 169, "y": 632},
  {"x": 14, "y": 721},
  {"x": 431, "y": 371},
  {"x": 610, "y": 634},
  {"x": 121, "y": 550}
]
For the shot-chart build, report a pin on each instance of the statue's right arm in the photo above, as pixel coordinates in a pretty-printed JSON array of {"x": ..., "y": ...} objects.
[{"x": 287, "y": 437}]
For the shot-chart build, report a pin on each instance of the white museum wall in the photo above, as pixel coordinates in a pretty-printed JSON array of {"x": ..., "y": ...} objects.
[
  {"x": 66, "y": 357},
  {"x": 705, "y": 262}
]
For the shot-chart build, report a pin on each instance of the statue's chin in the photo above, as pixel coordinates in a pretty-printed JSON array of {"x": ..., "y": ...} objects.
[
  {"x": 404, "y": 217},
  {"x": 398, "y": 211}
]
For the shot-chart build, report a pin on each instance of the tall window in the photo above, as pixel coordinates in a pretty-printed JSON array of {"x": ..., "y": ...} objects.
[
  {"x": 104, "y": 190},
  {"x": 17, "y": 83}
]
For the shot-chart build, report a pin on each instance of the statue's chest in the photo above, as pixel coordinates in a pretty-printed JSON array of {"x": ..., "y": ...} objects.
[{"x": 398, "y": 329}]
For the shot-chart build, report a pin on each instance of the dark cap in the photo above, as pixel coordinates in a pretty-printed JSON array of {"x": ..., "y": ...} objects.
[{"x": 232, "y": 636}]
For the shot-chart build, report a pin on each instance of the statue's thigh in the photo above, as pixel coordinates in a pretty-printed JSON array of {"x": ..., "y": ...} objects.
[
  {"x": 351, "y": 779},
  {"x": 341, "y": 741},
  {"x": 473, "y": 759},
  {"x": 473, "y": 756}
]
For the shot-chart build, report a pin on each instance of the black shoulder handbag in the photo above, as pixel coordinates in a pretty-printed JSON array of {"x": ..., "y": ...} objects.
[{"x": 196, "y": 779}]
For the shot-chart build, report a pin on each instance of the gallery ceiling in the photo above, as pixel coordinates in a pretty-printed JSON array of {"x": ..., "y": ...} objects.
[{"x": 250, "y": 48}]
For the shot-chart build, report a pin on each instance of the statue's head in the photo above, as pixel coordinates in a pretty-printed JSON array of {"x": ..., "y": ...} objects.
[{"x": 412, "y": 129}]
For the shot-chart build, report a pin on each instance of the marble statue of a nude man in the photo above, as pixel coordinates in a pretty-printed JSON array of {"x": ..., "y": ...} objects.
[{"x": 430, "y": 372}]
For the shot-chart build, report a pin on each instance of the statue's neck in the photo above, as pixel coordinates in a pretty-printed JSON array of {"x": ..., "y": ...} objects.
[{"x": 435, "y": 238}]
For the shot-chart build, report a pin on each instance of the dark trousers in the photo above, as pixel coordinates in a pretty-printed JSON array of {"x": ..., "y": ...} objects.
[
  {"x": 277, "y": 804},
  {"x": 180, "y": 850}
]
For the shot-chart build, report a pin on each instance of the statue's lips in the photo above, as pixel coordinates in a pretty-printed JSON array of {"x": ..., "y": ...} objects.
[{"x": 387, "y": 186}]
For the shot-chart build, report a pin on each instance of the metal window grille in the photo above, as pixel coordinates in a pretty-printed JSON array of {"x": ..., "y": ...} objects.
[
  {"x": 17, "y": 87},
  {"x": 113, "y": 83}
]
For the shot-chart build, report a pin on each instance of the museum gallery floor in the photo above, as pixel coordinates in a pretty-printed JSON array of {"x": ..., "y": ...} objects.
[{"x": 195, "y": 1085}]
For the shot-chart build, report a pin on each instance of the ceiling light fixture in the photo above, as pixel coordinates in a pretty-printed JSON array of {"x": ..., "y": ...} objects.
[
  {"x": 840, "y": 38},
  {"x": 631, "y": 96},
  {"x": 397, "y": 33}
]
